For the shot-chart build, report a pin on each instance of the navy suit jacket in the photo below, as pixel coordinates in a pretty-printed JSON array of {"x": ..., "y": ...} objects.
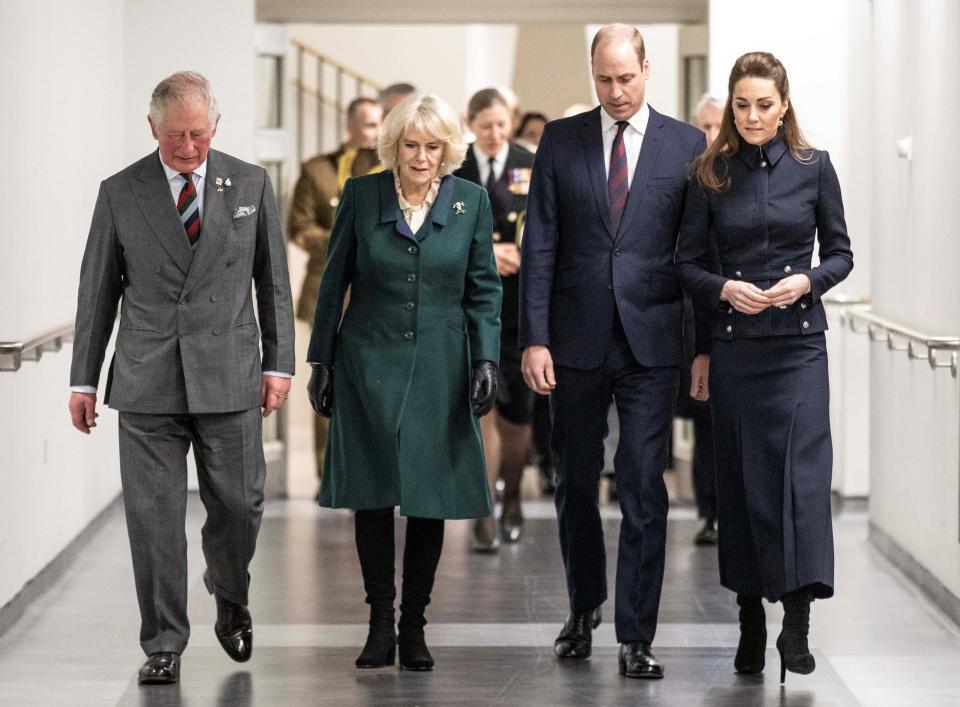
[{"x": 576, "y": 273}]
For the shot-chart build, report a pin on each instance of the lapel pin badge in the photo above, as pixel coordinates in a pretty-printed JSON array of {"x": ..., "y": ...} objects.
[
  {"x": 458, "y": 208},
  {"x": 221, "y": 183}
]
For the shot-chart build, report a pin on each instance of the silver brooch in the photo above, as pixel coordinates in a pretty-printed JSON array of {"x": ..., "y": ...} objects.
[{"x": 458, "y": 208}]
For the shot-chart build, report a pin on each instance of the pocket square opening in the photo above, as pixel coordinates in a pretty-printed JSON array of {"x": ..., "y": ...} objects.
[{"x": 244, "y": 211}]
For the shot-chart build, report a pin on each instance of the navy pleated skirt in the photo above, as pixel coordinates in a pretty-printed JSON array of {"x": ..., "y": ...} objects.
[{"x": 774, "y": 460}]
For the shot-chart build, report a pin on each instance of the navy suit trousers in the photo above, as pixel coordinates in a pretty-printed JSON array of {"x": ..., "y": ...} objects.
[{"x": 645, "y": 399}]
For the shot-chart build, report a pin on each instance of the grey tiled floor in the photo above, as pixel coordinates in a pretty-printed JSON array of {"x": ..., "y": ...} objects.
[{"x": 492, "y": 624}]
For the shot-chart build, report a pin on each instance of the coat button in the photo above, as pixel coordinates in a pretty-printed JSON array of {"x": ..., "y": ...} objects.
[
  {"x": 737, "y": 273},
  {"x": 806, "y": 325},
  {"x": 216, "y": 332},
  {"x": 730, "y": 310},
  {"x": 409, "y": 306},
  {"x": 229, "y": 263},
  {"x": 788, "y": 269},
  {"x": 803, "y": 305},
  {"x": 729, "y": 328},
  {"x": 408, "y": 336},
  {"x": 213, "y": 298},
  {"x": 184, "y": 300},
  {"x": 412, "y": 250},
  {"x": 412, "y": 277},
  {"x": 617, "y": 252}
]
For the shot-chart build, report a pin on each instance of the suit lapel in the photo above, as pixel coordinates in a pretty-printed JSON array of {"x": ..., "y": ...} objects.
[
  {"x": 593, "y": 149},
  {"x": 156, "y": 204},
  {"x": 649, "y": 151},
  {"x": 390, "y": 208},
  {"x": 214, "y": 225},
  {"x": 470, "y": 170}
]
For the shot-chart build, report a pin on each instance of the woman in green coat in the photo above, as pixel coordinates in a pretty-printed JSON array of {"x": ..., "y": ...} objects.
[{"x": 411, "y": 366}]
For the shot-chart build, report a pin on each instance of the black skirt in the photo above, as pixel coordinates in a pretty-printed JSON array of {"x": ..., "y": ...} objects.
[{"x": 774, "y": 460}]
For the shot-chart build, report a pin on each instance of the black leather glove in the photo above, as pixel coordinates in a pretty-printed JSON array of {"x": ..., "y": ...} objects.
[
  {"x": 483, "y": 392},
  {"x": 320, "y": 390}
]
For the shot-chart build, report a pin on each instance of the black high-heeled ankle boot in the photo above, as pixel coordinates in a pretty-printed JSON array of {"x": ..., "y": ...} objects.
[
  {"x": 750, "y": 658},
  {"x": 374, "y": 538},
  {"x": 792, "y": 642}
]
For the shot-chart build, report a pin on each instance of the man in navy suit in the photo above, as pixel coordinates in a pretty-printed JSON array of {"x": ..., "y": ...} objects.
[{"x": 601, "y": 318}]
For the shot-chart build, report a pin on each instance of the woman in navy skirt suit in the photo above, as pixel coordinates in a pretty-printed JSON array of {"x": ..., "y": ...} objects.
[{"x": 760, "y": 198}]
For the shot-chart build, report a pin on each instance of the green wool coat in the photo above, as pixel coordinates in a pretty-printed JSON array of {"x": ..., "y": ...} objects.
[{"x": 423, "y": 307}]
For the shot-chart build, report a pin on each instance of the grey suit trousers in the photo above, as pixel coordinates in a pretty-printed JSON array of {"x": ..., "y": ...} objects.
[{"x": 153, "y": 469}]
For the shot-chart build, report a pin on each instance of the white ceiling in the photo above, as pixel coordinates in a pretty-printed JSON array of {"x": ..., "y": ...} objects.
[{"x": 482, "y": 11}]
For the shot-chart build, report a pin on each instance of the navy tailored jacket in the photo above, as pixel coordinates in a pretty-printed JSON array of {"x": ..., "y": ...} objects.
[
  {"x": 763, "y": 229},
  {"x": 576, "y": 273}
]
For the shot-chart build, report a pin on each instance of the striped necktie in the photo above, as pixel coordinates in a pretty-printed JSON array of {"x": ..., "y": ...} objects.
[
  {"x": 189, "y": 208},
  {"x": 617, "y": 187}
]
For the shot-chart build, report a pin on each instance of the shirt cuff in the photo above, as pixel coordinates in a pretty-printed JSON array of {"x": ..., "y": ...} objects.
[
  {"x": 83, "y": 389},
  {"x": 278, "y": 374}
]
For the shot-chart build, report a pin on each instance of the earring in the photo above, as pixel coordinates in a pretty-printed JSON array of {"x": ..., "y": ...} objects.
[{"x": 780, "y": 122}]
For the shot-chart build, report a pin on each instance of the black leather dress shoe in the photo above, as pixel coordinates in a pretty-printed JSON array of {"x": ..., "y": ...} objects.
[
  {"x": 234, "y": 627},
  {"x": 575, "y": 641},
  {"x": 636, "y": 661},
  {"x": 707, "y": 535},
  {"x": 160, "y": 669}
]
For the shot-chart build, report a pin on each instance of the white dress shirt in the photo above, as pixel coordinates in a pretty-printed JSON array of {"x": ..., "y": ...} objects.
[
  {"x": 632, "y": 138},
  {"x": 483, "y": 162},
  {"x": 176, "y": 183}
]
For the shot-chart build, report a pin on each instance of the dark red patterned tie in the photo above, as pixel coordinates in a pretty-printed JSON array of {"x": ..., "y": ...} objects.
[
  {"x": 617, "y": 188},
  {"x": 189, "y": 208}
]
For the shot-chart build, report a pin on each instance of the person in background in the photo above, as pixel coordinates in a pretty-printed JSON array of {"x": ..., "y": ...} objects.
[
  {"x": 707, "y": 117},
  {"x": 504, "y": 170},
  {"x": 601, "y": 319},
  {"x": 761, "y": 197},
  {"x": 315, "y": 199},
  {"x": 394, "y": 94},
  {"x": 180, "y": 240},
  {"x": 529, "y": 130},
  {"x": 411, "y": 365}
]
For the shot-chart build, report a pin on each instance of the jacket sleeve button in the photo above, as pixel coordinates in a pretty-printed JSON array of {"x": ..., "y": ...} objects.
[
  {"x": 806, "y": 325},
  {"x": 788, "y": 269},
  {"x": 729, "y": 328},
  {"x": 737, "y": 273}
]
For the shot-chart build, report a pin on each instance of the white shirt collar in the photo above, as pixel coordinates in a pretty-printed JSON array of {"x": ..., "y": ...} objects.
[
  {"x": 638, "y": 121},
  {"x": 171, "y": 173},
  {"x": 484, "y": 159}
]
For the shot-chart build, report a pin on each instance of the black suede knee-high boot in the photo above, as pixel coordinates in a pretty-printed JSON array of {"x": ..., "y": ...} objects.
[
  {"x": 753, "y": 636},
  {"x": 421, "y": 553},
  {"x": 792, "y": 643},
  {"x": 373, "y": 531}
]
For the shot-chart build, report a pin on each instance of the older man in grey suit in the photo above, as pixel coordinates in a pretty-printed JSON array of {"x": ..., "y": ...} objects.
[{"x": 177, "y": 239}]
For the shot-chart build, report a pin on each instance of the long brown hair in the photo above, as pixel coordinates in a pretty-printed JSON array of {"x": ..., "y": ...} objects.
[{"x": 711, "y": 169}]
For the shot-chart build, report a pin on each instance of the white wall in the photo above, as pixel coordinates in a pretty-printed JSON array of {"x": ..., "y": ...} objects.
[
  {"x": 915, "y": 421},
  {"x": 78, "y": 117}
]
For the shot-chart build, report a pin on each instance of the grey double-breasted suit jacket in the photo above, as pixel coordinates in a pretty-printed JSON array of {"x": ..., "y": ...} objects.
[{"x": 189, "y": 340}]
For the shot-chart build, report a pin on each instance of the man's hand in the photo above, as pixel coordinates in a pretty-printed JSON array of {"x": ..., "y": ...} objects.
[
  {"x": 700, "y": 378},
  {"x": 788, "y": 290},
  {"x": 507, "y": 256},
  {"x": 537, "y": 368},
  {"x": 83, "y": 411},
  {"x": 275, "y": 390},
  {"x": 745, "y": 297}
]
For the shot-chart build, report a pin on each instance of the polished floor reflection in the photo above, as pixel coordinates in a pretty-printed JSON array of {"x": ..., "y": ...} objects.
[{"x": 492, "y": 624}]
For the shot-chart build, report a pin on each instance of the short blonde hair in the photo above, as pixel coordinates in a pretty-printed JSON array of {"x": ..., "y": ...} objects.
[{"x": 431, "y": 116}]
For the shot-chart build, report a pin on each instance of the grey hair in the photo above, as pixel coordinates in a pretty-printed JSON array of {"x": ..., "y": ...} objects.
[
  {"x": 185, "y": 87},
  {"x": 709, "y": 99},
  {"x": 431, "y": 116}
]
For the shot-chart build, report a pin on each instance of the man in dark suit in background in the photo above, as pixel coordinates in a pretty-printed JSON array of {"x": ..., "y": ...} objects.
[
  {"x": 600, "y": 318},
  {"x": 177, "y": 239}
]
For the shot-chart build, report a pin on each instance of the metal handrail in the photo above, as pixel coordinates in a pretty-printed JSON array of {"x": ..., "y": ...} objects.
[
  {"x": 916, "y": 345},
  {"x": 337, "y": 65},
  {"x": 14, "y": 353}
]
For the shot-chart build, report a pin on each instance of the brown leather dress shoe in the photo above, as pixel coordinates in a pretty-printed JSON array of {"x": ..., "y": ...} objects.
[
  {"x": 160, "y": 669},
  {"x": 636, "y": 661}
]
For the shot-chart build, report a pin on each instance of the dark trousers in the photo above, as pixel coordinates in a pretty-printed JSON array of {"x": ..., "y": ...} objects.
[
  {"x": 645, "y": 399},
  {"x": 704, "y": 474},
  {"x": 153, "y": 469}
]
